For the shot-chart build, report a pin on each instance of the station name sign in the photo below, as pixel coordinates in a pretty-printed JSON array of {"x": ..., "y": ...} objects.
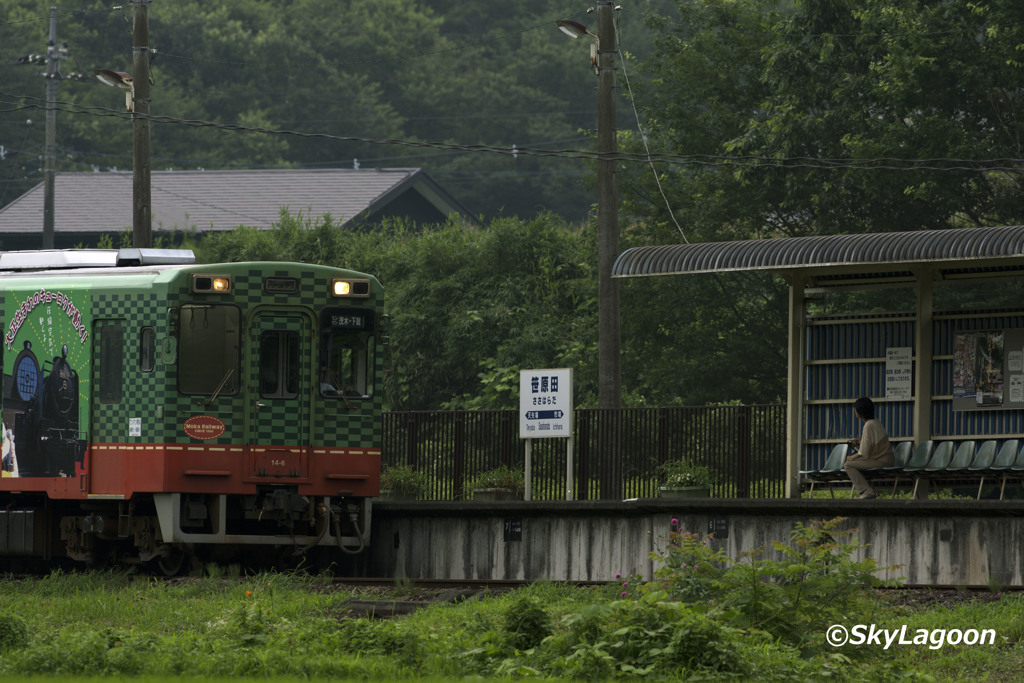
[{"x": 545, "y": 403}]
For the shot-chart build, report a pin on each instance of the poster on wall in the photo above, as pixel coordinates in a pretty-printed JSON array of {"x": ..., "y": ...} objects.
[
  {"x": 899, "y": 373},
  {"x": 988, "y": 370}
]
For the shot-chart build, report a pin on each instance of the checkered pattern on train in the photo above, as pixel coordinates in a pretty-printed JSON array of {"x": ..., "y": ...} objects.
[
  {"x": 330, "y": 423},
  {"x": 141, "y": 392}
]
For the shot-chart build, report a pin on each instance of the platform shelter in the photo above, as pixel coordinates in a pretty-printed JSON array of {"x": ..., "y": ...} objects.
[{"x": 934, "y": 373}]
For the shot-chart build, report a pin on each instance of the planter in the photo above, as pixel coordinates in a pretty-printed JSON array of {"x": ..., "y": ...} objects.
[
  {"x": 495, "y": 494},
  {"x": 686, "y": 492}
]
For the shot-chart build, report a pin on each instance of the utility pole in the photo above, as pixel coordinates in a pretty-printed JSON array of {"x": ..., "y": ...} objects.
[
  {"x": 53, "y": 56},
  {"x": 608, "y": 341},
  {"x": 609, "y": 364},
  {"x": 142, "y": 214}
]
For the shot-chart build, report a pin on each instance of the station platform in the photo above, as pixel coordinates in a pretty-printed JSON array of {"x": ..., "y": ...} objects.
[{"x": 969, "y": 544}]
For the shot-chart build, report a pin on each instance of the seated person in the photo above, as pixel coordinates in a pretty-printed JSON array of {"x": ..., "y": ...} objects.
[{"x": 873, "y": 449}]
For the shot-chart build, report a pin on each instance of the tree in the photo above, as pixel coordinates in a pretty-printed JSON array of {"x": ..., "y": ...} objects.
[
  {"x": 811, "y": 118},
  {"x": 809, "y": 96}
]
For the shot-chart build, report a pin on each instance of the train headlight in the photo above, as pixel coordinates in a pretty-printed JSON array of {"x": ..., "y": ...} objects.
[
  {"x": 347, "y": 287},
  {"x": 211, "y": 284}
]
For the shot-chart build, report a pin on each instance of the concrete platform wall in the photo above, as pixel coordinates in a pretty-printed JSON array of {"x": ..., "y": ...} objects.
[{"x": 948, "y": 543}]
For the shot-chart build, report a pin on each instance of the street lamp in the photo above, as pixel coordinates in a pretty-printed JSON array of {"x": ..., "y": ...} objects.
[
  {"x": 122, "y": 80},
  {"x": 602, "y": 56}
]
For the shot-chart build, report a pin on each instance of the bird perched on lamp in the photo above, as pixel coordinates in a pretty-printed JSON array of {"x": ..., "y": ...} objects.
[{"x": 119, "y": 79}]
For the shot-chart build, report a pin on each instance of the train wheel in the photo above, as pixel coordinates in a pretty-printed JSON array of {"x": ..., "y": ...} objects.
[{"x": 173, "y": 562}]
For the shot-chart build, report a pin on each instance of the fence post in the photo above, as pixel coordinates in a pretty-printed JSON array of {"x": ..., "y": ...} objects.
[
  {"x": 664, "y": 435},
  {"x": 412, "y": 442},
  {"x": 743, "y": 453},
  {"x": 459, "y": 456},
  {"x": 582, "y": 454}
]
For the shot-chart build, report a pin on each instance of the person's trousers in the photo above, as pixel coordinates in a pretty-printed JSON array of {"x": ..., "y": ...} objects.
[{"x": 853, "y": 470}]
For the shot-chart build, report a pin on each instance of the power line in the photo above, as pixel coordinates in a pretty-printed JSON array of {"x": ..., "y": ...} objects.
[
  {"x": 72, "y": 13},
  {"x": 940, "y": 164}
]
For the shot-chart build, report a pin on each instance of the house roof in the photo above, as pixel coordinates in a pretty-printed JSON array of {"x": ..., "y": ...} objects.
[
  {"x": 222, "y": 200},
  {"x": 891, "y": 256}
]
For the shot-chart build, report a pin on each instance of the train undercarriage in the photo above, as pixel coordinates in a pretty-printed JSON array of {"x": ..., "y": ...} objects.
[{"x": 173, "y": 533}]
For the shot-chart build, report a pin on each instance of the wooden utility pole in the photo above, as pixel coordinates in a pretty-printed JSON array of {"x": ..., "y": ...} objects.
[
  {"x": 142, "y": 212},
  {"x": 53, "y": 57},
  {"x": 608, "y": 344}
]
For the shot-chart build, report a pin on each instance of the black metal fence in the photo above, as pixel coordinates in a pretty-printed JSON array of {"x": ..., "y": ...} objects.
[{"x": 615, "y": 454}]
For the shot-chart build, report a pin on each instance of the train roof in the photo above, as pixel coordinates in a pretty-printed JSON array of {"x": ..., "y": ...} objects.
[
  {"x": 58, "y": 259},
  {"x": 147, "y": 264}
]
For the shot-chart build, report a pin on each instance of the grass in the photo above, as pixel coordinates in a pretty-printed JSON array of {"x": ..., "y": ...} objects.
[{"x": 97, "y": 625}]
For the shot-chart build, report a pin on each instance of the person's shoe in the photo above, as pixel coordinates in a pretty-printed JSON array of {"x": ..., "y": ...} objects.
[{"x": 867, "y": 495}]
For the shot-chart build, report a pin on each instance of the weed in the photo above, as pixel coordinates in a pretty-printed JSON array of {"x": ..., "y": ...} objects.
[
  {"x": 810, "y": 583},
  {"x": 527, "y": 623},
  {"x": 13, "y": 632}
]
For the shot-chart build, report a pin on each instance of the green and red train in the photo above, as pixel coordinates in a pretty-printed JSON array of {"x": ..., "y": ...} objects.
[{"x": 160, "y": 411}]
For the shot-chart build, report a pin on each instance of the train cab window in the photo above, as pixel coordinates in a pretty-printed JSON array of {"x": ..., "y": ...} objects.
[
  {"x": 279, "y": 364},
  {"x": 348, "y": 369},
  {"x": 147, "y": 349},
  {"x": 208, "y": 349},
  {"x": 347, "y": 352},
  {"x": 111, "y": 363}
]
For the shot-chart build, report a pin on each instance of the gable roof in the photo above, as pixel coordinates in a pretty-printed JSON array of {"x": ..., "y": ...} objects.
[{"x": 97, "y": 203}]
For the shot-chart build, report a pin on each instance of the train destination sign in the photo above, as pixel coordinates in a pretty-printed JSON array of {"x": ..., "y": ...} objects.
[{"x": 545, "y": 403}]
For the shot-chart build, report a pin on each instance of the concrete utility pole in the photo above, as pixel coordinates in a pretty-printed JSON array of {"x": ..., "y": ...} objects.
[
  {"x": 142, "y": 213},
  {"x": 608, "y": 341}
]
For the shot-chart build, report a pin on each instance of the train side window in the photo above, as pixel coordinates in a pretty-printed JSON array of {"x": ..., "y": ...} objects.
[
  {"x": 147, "y": 349},
  {"x": 208, "y": 349},
  {"x": 279, "y": 364},
  {"x": 111, "y": 363}
]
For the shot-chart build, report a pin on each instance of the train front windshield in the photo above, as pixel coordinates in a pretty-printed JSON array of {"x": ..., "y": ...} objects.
[{"x": 209, "y": 349}]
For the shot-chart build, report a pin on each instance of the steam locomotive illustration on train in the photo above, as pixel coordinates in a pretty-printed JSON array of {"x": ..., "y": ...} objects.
[{"x": 160, "y": 411}]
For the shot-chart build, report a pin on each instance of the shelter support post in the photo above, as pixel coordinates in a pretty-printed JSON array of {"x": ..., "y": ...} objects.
[
  {"x": 923, "y": 354},
  {"x": 795, "y": 390}
]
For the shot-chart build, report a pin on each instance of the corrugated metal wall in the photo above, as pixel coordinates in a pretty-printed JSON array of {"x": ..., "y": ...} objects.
[{"x": 845, "y": 359}]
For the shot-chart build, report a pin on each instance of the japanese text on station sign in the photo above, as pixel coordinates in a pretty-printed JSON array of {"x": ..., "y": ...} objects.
[{"x": 545, "y": 403}]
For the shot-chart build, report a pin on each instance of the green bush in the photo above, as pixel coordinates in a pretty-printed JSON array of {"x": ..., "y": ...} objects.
[
  {"x": 502, "y": 477},
  {"x": 403, "y": 481}
]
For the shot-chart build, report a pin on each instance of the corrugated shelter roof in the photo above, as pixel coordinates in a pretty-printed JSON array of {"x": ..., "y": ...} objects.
[
  {"x": 223, "y": 200},
  {"x": 888, "y": 256}
]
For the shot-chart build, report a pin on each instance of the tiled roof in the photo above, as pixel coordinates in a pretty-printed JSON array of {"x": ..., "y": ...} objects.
[{"x": 223, "y": 200}]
